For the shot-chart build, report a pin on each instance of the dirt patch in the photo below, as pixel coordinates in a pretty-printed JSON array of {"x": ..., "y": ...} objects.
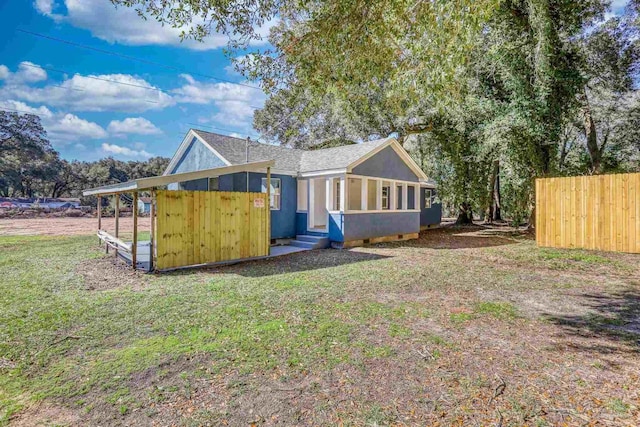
[
  {"x": 66, "y": 226},
  {"x": 107, "y": 272},
  {"x": 45, "y": 414}
]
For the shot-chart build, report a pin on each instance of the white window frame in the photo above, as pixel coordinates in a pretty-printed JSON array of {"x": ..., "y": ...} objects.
[
  {"x": 217, "y": 181},
  {"x": 397, "y": 189},
  {"x": 427, "y": 198},
  {"x": 275, "y": 195},
  {"x": 303, "y": 195},
  {"x": 337, "y": 193},
  {"x": 386, "y": 198}
]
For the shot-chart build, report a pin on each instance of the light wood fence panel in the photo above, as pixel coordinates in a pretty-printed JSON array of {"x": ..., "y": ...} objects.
[
  {"x": 600, "y": 212},
  {"x": 199, "y": 227}
]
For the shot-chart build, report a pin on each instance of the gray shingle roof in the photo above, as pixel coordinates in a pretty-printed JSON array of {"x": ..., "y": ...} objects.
[{"x": 288, "y": 159}]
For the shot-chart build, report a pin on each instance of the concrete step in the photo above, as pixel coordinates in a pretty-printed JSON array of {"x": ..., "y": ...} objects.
[
  {"x": 309, "y": 238},
  {"x": 311, "y": 242},
  {"x": 302, "y": 244}
]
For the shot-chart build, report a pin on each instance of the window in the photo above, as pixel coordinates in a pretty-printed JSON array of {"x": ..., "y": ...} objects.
[
  {"x": 386, "y": 196},
  {"x": 355, "y": 194},
  {"x": 372, "y": 195},
  {"x": 302, "y": 195},
  {"x": 411, "y": 197},
  {"x": 399, "y": 197},
  {"x": 336, "y": 194},
  {"x": 213, "y": 184},
  {"x": 275, "y": 192},
  {"x": 427, "y": 199}
]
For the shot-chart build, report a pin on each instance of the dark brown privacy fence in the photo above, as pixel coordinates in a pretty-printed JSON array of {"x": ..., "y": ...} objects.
[{"x": 600, "y": 212}]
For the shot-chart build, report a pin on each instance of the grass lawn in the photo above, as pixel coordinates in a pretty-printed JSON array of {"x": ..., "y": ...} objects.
[{"x": 458, "y": 328}]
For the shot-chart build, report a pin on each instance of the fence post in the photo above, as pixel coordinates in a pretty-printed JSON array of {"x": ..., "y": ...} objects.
[
  {"x": 269, "y": 209},
  {"x": 134, "y": 244}
]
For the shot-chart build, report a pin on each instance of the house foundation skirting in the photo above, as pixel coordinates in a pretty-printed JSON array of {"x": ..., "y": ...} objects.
[
  {"x": 382, "y": 239},
  {"x": 429, "y": 227}
]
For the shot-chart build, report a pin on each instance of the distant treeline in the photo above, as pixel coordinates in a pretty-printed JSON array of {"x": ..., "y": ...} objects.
[{"x": 30, "y": 167}]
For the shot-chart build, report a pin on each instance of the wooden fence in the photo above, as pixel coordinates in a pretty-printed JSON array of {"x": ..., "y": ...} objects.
[
  {"x": 600, "y": 212},
  {"x": 199, "y": 227}
]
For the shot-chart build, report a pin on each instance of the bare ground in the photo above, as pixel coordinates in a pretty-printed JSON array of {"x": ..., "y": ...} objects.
[
  {"x": 65, "y": 226},
  {"x": 569, "y": 355}
]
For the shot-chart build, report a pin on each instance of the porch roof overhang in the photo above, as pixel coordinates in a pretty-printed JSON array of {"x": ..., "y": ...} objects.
[{"x": 162, "y": 180}]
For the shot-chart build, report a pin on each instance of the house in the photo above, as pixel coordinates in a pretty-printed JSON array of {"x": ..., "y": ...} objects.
[
  {"x": 40, "y": 202},
  {"x": 144, "y": 205},
  {"x": 349, "y": 195}
]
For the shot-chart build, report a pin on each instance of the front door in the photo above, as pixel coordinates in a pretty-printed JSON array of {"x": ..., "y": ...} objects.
[{"x": 318, "y": 214}]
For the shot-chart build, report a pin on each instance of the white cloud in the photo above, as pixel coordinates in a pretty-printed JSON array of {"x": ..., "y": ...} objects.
[
  {"x": 126, "y": 152},
  {"x": 45, "y": 7},
  {"x": 62, "y": 128},
  {"x": 103, "y": 92},
  {"x": 235, "y": 103},
  {"x": 21, "y": 107},
  {"x": 27, "y": 72},
  {"x": 123, "y": 25},
  {"x": 4, "y": 72},
  {"x": 72, "y": 127},
  {"x": 133, "y": 125}
]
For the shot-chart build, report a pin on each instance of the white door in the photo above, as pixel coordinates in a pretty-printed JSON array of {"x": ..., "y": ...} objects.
[{"x": 318, "y": 214}]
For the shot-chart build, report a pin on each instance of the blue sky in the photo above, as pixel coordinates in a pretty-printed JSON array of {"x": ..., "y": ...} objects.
[{"x": 95, "y": 105}]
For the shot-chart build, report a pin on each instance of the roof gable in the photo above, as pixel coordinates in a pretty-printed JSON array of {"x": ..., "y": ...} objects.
[{"x": 234, "y": 151}]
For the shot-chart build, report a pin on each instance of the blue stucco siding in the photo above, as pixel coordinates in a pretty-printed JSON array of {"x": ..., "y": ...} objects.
[
  {"x": 433, "y": 215},
  {"x": 367, "y": 225},
  {"x": 386, "y": 164},
  {"x": 197, "y": 157},
  {"x": 336, "y": 227}
]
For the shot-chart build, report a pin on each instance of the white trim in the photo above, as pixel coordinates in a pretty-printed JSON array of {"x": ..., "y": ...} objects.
[
  {"x": 343, "y": 193},
  {"x": 397, "y": 181},
  {"x": 364, "y": 194},
  {"x": 405, "y": 197},
  {"x": 273, "y": 193},
  {"x": 381, "y": 211},
  {"x": 311, "y": 215},
  {"x": 322, "y": 173},
  {"x": 183, "y": 147}
]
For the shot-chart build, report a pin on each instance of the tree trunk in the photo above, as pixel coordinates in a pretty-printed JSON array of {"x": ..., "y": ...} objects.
[
  {"x": 490, "y": 212},
  {"x": 590, "y": 133},
  {"x": 497, "y": 203},
  {"x": 465, "y": 214}
]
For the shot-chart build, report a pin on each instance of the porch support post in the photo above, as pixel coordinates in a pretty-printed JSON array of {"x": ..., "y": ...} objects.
[
  {"x": 416, "y": 195},
  {"x": 134, "y": 244},
  {"x": 405, "y": 201},
  {"x": 329, "y": 193},
  {"x": 343, "y": 193},
  {"x": 152, "y": 214},
  {"x": 364, "y": 196},
  {"x": 99, "y": 215},
  {"x": 393, "y": 196},
  {"x": 117, "y": 218},
  {"x": 379, "y": 194},
  {"x": 268, "y": 228}
]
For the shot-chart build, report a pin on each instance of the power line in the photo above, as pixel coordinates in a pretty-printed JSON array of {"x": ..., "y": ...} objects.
[{"x": 131, "y": 58}]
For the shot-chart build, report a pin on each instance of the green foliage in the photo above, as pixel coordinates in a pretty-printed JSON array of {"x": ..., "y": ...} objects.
[{"x": 30, "y": 167}]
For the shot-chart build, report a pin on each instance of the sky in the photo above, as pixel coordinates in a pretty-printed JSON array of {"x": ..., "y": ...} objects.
[{"x": 93, "y": 104}]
